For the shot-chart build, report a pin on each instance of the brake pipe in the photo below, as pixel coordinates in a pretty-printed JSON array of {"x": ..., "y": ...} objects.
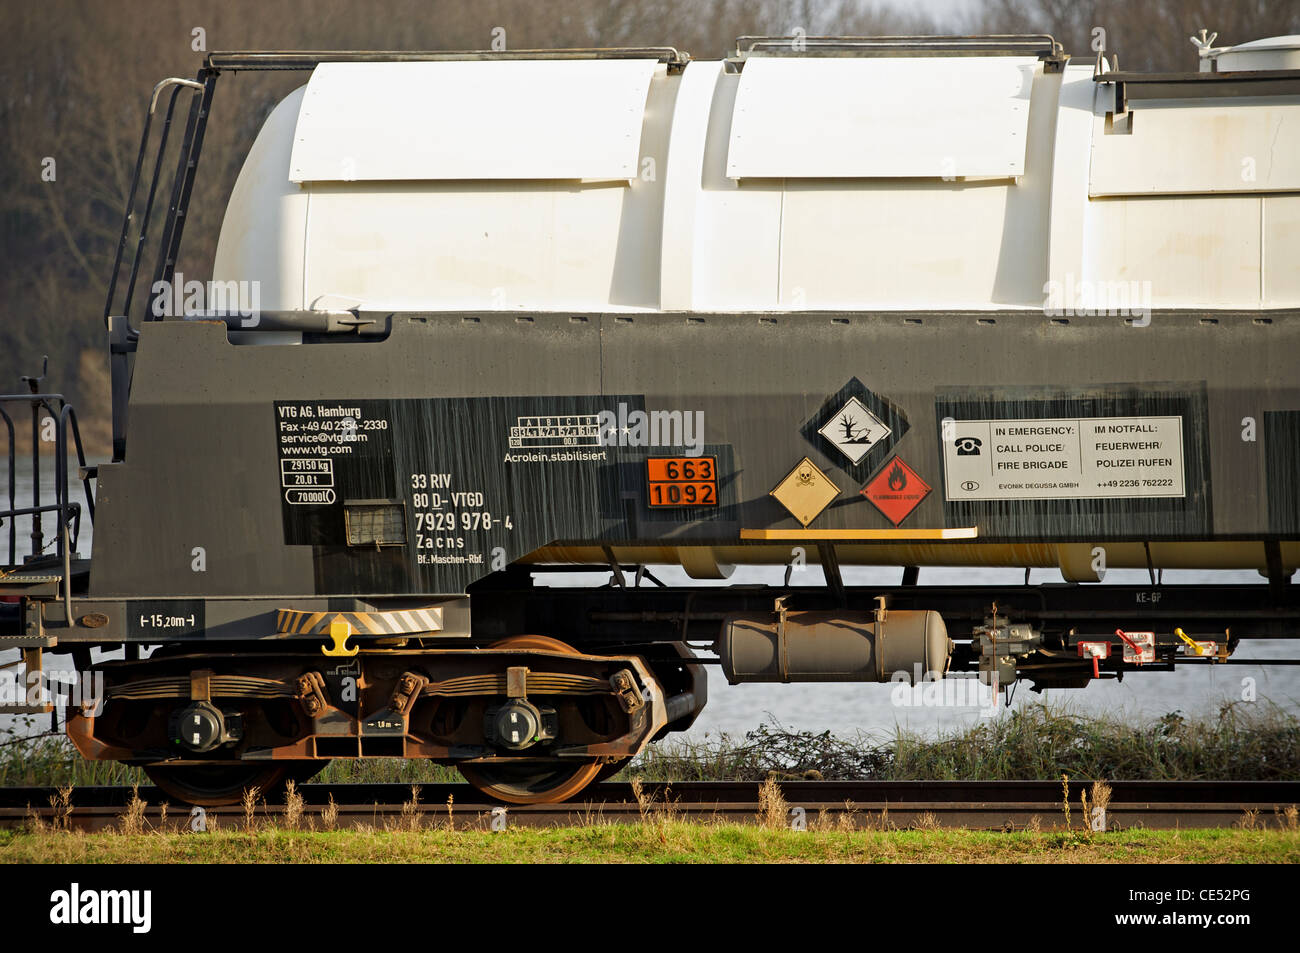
[
  {"x": 1191, "y": 643},
  {"x": 1095, "y": 651},
  {"x": 1200, "y": 648},
  {"x": 1131, "y": 644}
]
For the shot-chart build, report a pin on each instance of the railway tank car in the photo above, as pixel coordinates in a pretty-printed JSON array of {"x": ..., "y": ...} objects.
[{"x": 476, "y": 317}]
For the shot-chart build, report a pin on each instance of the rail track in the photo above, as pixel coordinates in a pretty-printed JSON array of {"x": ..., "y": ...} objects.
[{"x": 984, "y": 805}]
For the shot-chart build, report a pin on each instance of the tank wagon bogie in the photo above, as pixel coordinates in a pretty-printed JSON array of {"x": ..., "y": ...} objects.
[{"x": 598, "y": 311}]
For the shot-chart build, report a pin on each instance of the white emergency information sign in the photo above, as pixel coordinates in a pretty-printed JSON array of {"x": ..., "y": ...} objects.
[{"x": 1082, "y": 458}]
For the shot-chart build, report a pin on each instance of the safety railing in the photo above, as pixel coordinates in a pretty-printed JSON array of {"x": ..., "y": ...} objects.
[
  {"x": 45, "y": 409},
  {"x": 175, "y": 86},
  {"x": 1021, "y": 44}
]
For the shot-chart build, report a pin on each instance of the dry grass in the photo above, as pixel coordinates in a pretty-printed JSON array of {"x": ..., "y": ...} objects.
[
  {"x": 411, "y": 811},
  {"x": 250, "y": 807},
  {"x": 643, "y": 800},
  {"x": 656, "y": 817},
  {"x": 133, "y": 818},
  {"x": 773, "y": 811},
  {"x": 293, "y": 806},
  {"x": 1100, "y": 803},
  {"x": 926, "y": 822},
  {"x": 61, "y": 807}
]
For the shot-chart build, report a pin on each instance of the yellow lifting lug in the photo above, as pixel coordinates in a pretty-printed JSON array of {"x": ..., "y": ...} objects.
[{"x": 340, "y": 632}]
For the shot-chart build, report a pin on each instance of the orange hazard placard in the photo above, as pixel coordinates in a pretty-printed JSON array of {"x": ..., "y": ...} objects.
[
  {"x": 682, "y": 481},
  {"x": 896, "y": 490}
]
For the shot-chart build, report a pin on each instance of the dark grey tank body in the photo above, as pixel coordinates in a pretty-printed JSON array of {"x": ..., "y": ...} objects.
[{"x": 237, "y": 476}]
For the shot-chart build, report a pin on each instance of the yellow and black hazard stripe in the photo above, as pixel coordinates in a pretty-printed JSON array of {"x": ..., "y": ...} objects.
[{"x": 404, "y": 622}]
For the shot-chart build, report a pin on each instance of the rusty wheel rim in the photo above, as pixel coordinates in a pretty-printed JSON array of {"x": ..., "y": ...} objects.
[
  {"x": 218, "y": 784},
  {"x": 532, "y": 782},
  {"x": 607, "y": 771},
  {"x": 538, "y": 783},
  {"x": 542, "y": 642}
]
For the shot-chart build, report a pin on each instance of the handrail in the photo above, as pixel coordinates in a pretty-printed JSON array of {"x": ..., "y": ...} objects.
[
  {"x": 1039, "y": 44},
  {"x": 129, "y": 215},
  {"x": 69, "y": 513},
  {"x": 13, "y": 484},
  {"x": 67, "y": 572},
  {"x": 183, "y": 179},
  {"x": 179, "y": 84},
  {"x": 310, "y": 59},
  {"x": 122, "y": 334},
  {"x": 70, "y": 415}
]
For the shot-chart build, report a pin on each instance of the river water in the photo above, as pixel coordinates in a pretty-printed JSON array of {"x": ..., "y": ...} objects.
[{"x": 853, "y": 709}]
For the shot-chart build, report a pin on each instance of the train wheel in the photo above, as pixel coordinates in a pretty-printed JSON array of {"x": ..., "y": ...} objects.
[
  {"x": 218, "y": 784},
  {"x": 300, "y": 772},
  {"x": 532, "y": 782},
  {"x": 537, "y": 782},
  {"x": 541, "y": 642},
  {"x": 607, "y": 771}
]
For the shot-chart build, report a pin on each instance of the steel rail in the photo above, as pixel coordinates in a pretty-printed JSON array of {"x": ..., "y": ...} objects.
[{"x": 989, "y": 805}]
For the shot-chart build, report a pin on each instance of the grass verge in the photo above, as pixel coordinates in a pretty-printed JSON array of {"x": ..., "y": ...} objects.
[{"x": 665, "y": 841}]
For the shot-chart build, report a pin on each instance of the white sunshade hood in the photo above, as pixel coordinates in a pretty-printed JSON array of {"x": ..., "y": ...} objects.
[
  {"x": 880, "y": 117},
  {"x": 472, "y": 119}
]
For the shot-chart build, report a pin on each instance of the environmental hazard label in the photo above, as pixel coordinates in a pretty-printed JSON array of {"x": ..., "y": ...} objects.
[
  {"x": 854, "y": 430},
  {"x": 1081, "y": 458}
]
